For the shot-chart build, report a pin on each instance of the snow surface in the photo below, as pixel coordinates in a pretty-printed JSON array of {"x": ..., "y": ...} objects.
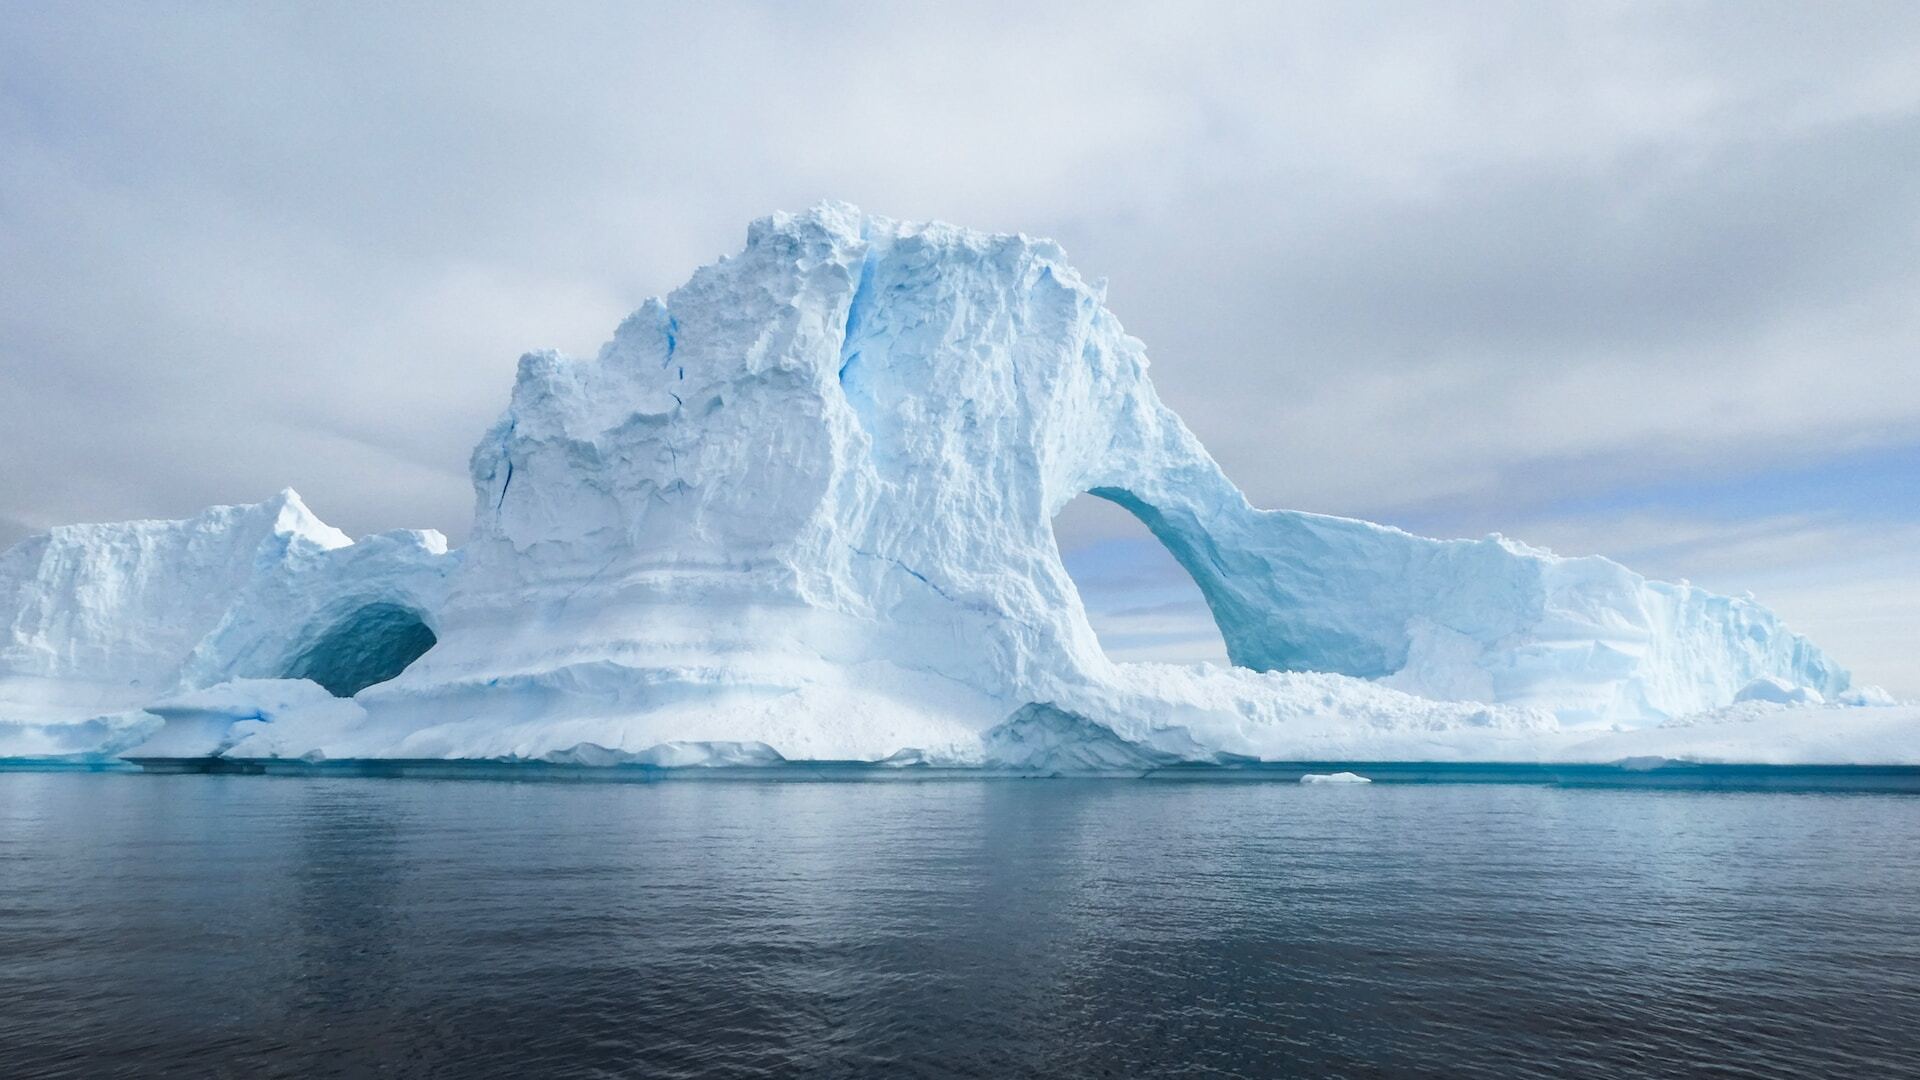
[
  {"x": 1767, "y": 733},
  {"x": 1778, "y": 691},
  {"x": 801, "y": 509}
]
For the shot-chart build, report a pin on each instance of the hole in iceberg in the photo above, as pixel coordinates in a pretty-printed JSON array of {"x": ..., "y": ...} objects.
[
  {"x": 1142, "y": 603},
  {"x": 369, "y": 646}
]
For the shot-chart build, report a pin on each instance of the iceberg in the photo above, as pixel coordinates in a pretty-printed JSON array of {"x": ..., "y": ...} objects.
[
  {"x": 801, "y": 509},
  {"x": 105, "y": 622}
]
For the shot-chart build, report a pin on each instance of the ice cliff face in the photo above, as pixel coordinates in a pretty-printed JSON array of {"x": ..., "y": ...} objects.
[{"x": 805, "y": 502}]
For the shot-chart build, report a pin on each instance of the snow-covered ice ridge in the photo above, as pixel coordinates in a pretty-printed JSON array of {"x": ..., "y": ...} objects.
[{"x": 802, "y": 508}]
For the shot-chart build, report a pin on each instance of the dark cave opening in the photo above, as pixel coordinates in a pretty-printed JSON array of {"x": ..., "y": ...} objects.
[{"x": 369, "y": 646}]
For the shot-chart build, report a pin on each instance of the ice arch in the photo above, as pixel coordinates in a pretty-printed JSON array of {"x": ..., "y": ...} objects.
[
  {"x": 1265, "y": 615},
  {"x": 1142, "y": 602},
  {"x": 371, "y": 645},
  {"x": 845, "y": 445}
]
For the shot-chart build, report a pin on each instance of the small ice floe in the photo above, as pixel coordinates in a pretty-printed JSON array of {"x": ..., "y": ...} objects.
[{"x": 1334, "y": 778}]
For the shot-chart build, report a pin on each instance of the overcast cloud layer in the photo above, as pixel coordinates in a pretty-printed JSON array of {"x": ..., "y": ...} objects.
[{"x": 1636, "y": 280}]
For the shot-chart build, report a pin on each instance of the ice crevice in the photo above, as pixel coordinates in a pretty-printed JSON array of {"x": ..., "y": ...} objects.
[{"x": 908, "y": 570}]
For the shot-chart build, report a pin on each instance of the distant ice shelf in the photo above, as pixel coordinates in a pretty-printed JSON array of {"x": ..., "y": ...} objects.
[{"x": 801, "y": 510}]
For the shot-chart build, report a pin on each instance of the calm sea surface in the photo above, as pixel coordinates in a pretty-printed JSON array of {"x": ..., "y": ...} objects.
[{"x": 260, "y": 926}]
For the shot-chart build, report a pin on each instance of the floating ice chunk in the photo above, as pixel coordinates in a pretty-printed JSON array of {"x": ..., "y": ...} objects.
[{"x": 1334, "y": 778}]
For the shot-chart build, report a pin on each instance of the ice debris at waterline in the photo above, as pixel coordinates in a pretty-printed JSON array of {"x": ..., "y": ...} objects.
[{"x": 802, "y": 508}]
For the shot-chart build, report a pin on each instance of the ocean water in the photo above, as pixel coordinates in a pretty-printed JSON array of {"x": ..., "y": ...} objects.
[{"x": 304, "y": 926}]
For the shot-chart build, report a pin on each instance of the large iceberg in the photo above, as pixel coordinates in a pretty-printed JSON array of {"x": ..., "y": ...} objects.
[{"x": 802, "y": 509}]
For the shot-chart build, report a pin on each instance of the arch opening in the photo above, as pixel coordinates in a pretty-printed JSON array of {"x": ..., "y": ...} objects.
[
  {"x": 1143, "y": 604},
  {"x": 371, "y": 645}
]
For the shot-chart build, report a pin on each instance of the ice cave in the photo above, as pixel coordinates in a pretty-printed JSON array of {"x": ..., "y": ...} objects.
[{"x": 371, "y": 645}]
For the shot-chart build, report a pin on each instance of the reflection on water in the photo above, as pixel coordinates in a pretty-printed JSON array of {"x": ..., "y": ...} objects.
[{"x": 268, "y": 926}]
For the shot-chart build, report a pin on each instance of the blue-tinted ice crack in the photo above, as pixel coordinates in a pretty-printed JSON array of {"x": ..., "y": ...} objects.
[
  {"x": 911, "y": 572},
  {"x": 856, "y": 311}
]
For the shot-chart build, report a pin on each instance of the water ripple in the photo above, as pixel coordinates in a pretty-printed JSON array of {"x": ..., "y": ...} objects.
[{"x": 209, "y": 925}]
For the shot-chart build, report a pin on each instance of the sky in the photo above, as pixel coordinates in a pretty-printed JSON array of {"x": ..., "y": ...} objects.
[{"x": 1611, "y": 278}]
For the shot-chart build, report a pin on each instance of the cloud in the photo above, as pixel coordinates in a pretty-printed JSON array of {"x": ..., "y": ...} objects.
[{"x": 1405, "y": 262}]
